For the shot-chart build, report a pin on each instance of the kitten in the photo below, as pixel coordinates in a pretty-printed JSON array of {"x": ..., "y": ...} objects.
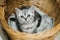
[{"x": 27, "y": 19}]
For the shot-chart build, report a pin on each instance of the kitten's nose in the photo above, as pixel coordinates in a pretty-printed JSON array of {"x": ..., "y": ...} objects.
[{"x": 25, "y": 18}]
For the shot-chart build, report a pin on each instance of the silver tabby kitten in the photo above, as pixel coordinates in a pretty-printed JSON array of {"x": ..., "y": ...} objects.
[
  {"x": 29, "y": 23},
  {"x": 26, "y": 19}
]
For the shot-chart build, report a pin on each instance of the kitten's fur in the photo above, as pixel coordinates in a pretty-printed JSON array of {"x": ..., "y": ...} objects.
[
  {"x": 30, "y": 23},
  {"x": 27, "y": 19}
]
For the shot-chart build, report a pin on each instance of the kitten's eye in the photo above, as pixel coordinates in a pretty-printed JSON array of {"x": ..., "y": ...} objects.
[
  {"x": 22, "y": 16},
  {"x": 28, "y": 15}
]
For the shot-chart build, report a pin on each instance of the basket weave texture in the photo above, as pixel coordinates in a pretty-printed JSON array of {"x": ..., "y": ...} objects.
[{"x": 49, "y": 7}]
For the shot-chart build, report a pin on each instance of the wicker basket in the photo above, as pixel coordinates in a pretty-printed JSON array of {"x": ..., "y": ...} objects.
[{"x": 52, "y": 10}]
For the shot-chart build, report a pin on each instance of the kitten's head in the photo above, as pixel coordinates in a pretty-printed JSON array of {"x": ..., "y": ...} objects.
[{"x": 25, "y": 16}]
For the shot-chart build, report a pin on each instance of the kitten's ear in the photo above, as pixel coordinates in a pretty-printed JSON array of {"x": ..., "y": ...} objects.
[
  {"x": 17, "y": 10},
  {"x": 31, "y": 9}
]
